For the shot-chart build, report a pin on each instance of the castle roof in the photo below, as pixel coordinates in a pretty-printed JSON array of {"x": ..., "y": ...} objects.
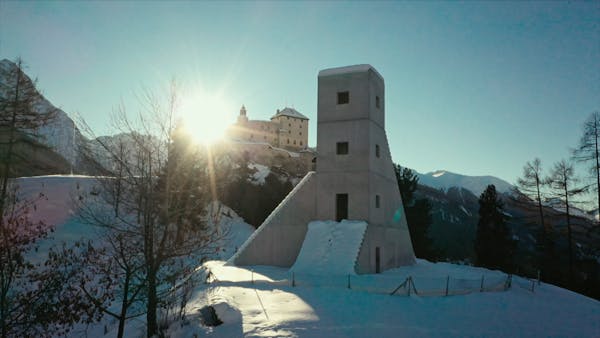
[{"x": 291, "y": 112}]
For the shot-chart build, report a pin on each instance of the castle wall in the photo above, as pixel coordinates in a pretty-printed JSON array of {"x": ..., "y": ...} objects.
[{"x": 281, "y": 131}]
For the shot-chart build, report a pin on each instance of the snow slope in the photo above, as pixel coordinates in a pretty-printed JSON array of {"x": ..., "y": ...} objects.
[
  {"x": 55, "y": 198},
  {"x": 330, "y": 247},
  {"x": 275, "y": 309}
]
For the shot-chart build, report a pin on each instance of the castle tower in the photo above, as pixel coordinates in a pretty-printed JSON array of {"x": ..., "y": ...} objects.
[
  {"x": 242, "y": 118},
  {"x": 354, "y": 180}
]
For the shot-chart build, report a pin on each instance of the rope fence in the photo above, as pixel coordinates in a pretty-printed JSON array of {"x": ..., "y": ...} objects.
[{"x": 392, "y": 285}]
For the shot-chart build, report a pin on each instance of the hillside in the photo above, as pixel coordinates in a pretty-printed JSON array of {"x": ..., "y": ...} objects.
[
  {"x": 59, "y": 135},
  {"x": 442, "y": 179}
]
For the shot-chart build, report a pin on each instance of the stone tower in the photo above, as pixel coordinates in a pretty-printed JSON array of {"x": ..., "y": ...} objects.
[
  {"x": 242, "y": 118},
  {"x": 354, "y": 180}
]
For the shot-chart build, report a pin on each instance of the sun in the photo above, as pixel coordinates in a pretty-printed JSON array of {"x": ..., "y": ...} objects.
[{"x": 205, "y": 115}]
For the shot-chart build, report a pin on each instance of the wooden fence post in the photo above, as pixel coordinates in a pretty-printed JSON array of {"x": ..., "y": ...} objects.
[
  {"x": 349, "y": 282},
  {"x": 447, "y": 284},
  {"x": 481, "y": 289},
  {"x": 293, "y": 279}
]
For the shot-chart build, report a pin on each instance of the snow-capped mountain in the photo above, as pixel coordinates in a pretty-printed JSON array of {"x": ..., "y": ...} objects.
[
  {"x": 61, "y": 133},
  {"x": 442, "y": 179}
]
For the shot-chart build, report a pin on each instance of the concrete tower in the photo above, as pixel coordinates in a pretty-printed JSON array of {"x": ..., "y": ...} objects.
[{"x": 354, "y": 180}]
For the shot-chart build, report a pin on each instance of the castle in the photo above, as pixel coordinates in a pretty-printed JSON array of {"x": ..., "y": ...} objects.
[{"x": 288, "y": 128}]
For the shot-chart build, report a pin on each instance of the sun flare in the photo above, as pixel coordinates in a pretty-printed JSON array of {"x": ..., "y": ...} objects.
[{"x": 205, "y": 115}]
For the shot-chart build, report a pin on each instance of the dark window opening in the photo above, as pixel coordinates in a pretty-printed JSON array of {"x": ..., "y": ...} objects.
[
  {"x": 294, "y": 141},
  {"x": 288, "y": 141},
  {"x": 300, "y": 142},
  {"x": 377, "y": 152},
  {"x": 377, "y": 201},
  {"x": 342, "y": 148},
  {"x": 341, "y": 207},
  {"x": 377, "y": 103},
  {"x": 343, "y": 97}
]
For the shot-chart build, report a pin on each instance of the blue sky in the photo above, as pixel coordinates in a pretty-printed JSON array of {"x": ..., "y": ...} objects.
[{"x": 476, "y": 88}]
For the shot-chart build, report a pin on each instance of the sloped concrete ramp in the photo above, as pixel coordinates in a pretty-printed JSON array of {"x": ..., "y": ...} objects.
[{"x": 330, "y": 247}]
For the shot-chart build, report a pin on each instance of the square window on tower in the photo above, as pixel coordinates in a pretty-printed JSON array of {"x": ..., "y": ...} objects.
[
  {"x": 343, "y": 97},
  {"x": 377, "y": 103},
  {"x": 342, "y": 148}
]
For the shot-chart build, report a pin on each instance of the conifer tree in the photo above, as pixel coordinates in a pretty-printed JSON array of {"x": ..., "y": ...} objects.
[
  {"x": 494, "y": 246},
  {"x": 418, "y": 213}
]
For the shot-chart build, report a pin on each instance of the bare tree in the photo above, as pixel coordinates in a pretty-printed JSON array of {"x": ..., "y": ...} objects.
[
  {"x": 531, "y": 184},
  {"x": 530, "y": 187},
  {"x": 588, "y": 150},
  {"x": 563, "y": 181},
  {"x": 157, "y": 193}
]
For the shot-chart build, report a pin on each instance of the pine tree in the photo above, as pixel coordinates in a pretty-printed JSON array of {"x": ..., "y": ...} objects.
[
  {"x": 418, "y": 213},
  {"x": 494, "y": 246}
]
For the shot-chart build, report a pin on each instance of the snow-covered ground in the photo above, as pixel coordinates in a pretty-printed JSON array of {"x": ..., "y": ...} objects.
[
  {"x": 271, "y": 307},
  {"x": 273, "y": 302},
  {"x": 262, "y": 171}
]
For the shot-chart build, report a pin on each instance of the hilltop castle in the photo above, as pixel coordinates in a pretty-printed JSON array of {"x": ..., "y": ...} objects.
[{"x": 286, "y": 129}]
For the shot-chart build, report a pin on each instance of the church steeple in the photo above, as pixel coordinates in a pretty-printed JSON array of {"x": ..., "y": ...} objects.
[{"x": 242, "y": 118}]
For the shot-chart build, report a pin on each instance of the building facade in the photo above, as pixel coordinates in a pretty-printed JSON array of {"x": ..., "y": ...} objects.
[
  {"x": 354, "y": 180},
  {"x": 288, "y": 128}
]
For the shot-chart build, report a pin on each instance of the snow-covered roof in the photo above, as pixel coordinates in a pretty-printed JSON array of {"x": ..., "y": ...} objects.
[
  {"x": 291, "y": 112},
  {"x": 348, "y": 69}
]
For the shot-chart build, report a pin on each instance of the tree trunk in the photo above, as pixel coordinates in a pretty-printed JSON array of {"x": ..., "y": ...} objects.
[
  {"x": 569, "y": 233},
  {"x": 597, "y": 159},
  {"x": 11, "y": 142},
  {"x": 124, "y": 306},
  {"x": 152, "y": 325}
]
